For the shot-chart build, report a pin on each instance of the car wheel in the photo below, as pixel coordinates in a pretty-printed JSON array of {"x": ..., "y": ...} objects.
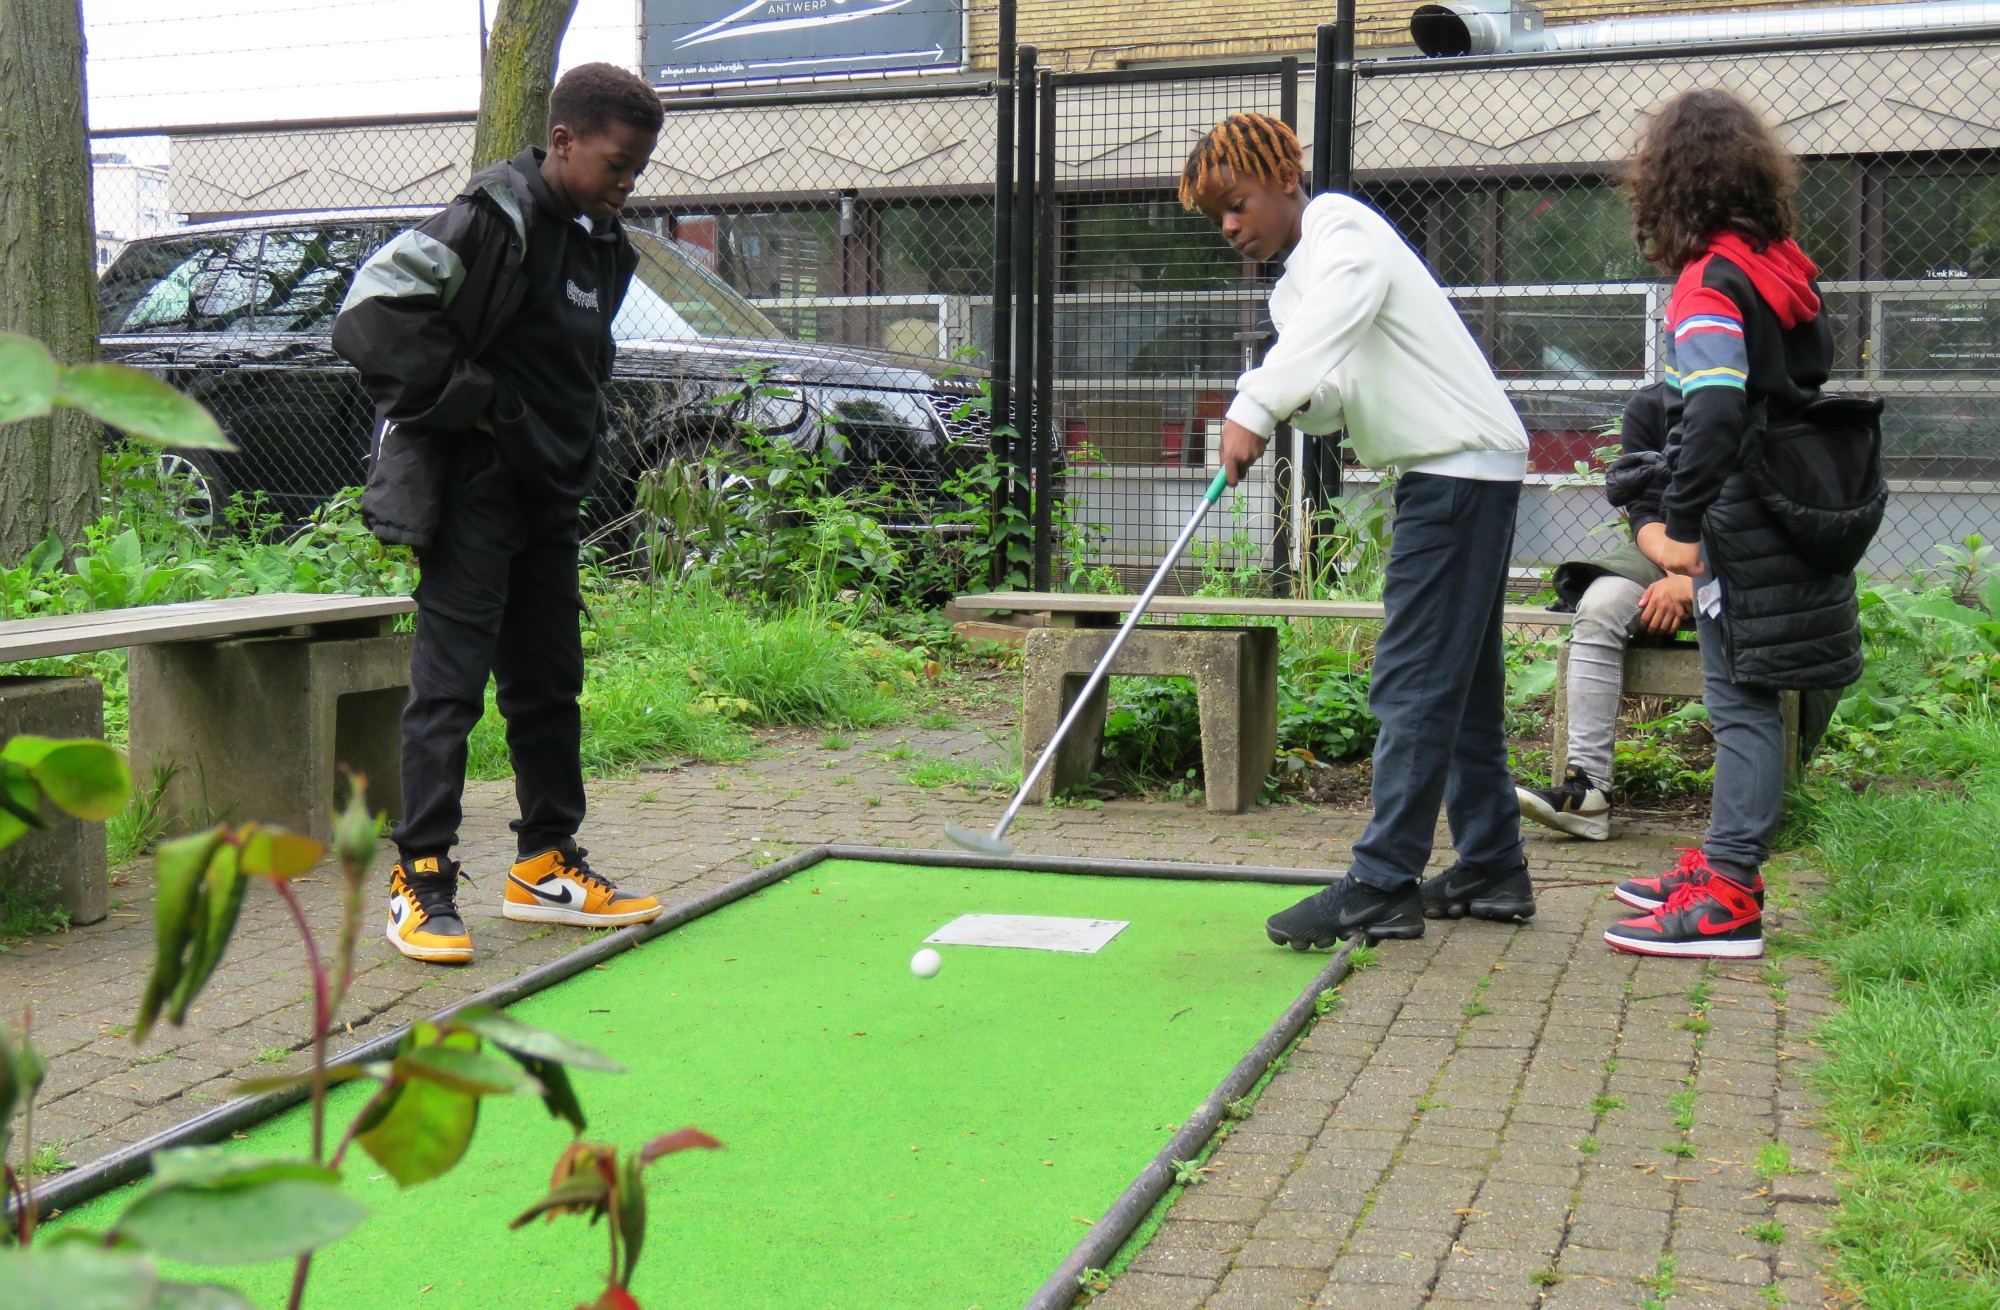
[{"x": 193, "y": 494}]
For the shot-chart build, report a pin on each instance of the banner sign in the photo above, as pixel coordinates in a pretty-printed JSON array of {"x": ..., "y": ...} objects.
[{"x": 707, "y": 41}]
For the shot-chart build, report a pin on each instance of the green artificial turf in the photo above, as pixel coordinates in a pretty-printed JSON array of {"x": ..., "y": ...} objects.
[{"x": 890, "y": 1141}]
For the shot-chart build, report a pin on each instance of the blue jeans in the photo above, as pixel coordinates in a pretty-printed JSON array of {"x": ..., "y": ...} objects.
[{"x": 1440, "y": 683}]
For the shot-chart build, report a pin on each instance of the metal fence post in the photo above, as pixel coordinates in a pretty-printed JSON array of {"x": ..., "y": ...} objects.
[
  {"x": 1019, "y": 471},
  {"x": 1047, "y": 430},
  {"x": 1001, "y": 358},
  {"x": 1332, "y": 170},
  {"x": 1285, "y": 481}
]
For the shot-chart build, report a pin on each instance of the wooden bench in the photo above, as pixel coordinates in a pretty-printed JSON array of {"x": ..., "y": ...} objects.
[
  {"x": 1671, "y": 669},
  {"x": 246, "y": 707}
]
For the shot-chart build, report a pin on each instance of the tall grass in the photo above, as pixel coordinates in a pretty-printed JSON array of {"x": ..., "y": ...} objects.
[
  {"x": 686, "y": 675},
  {"x": 1910, "y": 923}
]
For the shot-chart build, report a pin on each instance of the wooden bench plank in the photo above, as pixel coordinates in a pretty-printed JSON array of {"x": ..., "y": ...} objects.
[
  {"x": 144, "y": 625},
  {"x": 1057, "y": 602}
]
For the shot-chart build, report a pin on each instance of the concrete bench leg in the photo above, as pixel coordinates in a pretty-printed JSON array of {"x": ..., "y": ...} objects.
[
  {"x": 1235, "y": 671},
  {"x": 65, "y": 862},
  {"x": 260, "y": 727},
  {"x": 1659, "y": 671}
]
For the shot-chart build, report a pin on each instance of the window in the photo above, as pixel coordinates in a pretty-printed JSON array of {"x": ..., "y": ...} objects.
[
  {"x": 776, "y": 252},
  {"x": 937, "y": 248},
  {"x": 1151, "y": 245},
  {"x": 1568, "y": 234},
  {"x": 673, "y": 298},
  {"x": 304, "y": 275},
  {"x": 1941, "y": 226},
  {"x": 194, "y": 284}
]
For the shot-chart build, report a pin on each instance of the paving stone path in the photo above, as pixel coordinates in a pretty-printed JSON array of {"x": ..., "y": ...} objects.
[{"x": 1494, "y": 1116}]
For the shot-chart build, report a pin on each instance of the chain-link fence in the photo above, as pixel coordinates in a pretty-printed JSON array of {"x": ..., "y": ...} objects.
[
  {"x": 1501, "y": 172},
  {"x": 1153, "y": 317},
  {"x": 848, "y": 232},
  {"x": 836, "y": 242}
]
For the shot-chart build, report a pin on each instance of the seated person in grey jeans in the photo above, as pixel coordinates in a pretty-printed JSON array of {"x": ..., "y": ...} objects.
[{"x": 1616, "y": 596}]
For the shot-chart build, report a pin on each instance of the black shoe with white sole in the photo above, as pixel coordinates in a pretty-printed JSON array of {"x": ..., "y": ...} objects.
[
  {"x": 1506, "y": 895},
  {"x": 1347, "y": 908},
  {"x": 1579, "y": 807}
]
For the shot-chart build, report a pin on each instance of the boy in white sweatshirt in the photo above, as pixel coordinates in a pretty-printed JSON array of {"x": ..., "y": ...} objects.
[{"x": 1368, "y": 341}]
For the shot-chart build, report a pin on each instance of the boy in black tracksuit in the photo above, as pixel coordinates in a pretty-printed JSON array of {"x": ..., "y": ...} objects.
[{"x": 484, "y": 337}]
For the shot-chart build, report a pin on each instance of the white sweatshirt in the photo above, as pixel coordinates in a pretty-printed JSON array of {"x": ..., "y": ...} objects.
[{"x": 1367, "y": 339}]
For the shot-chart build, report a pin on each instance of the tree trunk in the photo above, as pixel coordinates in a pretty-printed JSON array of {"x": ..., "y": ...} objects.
[
  {"x": 48, "y": 251},
  {"x": 519, "y": 74}
]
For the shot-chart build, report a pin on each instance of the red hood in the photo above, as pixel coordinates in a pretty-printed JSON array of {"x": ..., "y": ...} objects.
[{"x": 1781, "y": 273}]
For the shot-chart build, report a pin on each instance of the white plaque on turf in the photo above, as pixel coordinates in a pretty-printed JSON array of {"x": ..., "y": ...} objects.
[{"x": 1029, "y": 932}]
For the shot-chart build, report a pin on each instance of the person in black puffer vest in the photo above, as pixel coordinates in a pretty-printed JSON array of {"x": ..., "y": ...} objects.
[{"x": 1711, "y": 194}]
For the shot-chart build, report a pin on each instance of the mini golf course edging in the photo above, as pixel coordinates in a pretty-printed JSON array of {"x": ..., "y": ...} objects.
[{"x": 1097, "y": 1248}]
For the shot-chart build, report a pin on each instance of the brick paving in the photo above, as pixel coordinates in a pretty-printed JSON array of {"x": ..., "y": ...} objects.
[{"x": 1494, "y": 1116}]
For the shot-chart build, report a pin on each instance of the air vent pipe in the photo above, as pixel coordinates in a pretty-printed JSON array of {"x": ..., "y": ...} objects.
[{"x": 1485, "y": 27}]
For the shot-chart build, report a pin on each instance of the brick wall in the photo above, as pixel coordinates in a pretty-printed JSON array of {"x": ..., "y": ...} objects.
[{"x": 1077, "y": 34}]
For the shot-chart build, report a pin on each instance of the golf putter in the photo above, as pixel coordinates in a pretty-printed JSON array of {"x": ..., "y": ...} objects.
[{"x": 995, "y": 842}]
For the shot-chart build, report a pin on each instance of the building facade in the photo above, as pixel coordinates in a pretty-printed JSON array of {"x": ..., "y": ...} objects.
[{"x": 869, "y": 220}]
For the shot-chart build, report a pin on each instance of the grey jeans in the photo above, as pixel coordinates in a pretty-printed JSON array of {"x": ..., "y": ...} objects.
[
  {"x": 1604, "y": 620},
  {"x": 1749, "y": 733}
]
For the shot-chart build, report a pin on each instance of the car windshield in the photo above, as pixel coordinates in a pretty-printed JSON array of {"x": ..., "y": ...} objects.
[
  {"x": 673, "y": 298},
  {"x": 279, "y": 280},
  {"x": 293, "y": 280}
]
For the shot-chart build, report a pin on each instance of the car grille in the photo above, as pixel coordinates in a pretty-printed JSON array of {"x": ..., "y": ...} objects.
[{"x": 962, "y": 424}]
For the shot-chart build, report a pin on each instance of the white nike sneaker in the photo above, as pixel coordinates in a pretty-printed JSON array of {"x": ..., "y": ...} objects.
[{"x": 1579, "y": 807}]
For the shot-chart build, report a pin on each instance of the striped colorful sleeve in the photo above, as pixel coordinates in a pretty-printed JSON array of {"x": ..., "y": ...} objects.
[{"x": 1708, "y": 349}]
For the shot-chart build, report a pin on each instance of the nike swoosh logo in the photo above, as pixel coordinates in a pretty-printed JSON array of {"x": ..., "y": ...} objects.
[
  {"x": 1709, "y": 927},
  {"x": 539, "y": 894},
  {"x": 398, "y": 911}
]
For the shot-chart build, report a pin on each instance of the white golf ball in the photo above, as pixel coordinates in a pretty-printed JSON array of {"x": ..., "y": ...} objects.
[{"x": 926, "y": 963}]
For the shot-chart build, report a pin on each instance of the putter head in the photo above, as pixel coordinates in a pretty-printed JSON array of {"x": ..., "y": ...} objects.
[{"x": 980, "y": 842}]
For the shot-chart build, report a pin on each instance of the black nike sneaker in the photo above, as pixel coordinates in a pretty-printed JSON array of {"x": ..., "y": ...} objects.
[
  {"x": 1506, "y": 895},
  {"x": 1348, "y": 907},
  {"x": 1579, "y": 807}
]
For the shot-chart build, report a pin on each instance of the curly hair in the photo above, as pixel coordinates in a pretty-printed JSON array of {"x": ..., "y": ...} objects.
[
  {"x": 1245, "y": 145},
  {"x": 591, "y": 97},
  {"x": 1707, "y": 164}
]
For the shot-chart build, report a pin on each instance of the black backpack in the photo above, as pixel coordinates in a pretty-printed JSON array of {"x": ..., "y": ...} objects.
[{"x": 1819, "y": 473}]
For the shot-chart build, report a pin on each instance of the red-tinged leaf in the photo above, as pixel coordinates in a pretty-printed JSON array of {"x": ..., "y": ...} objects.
[
  {"x": 584, "y": 1195},
  {"x": 630, "y": 1211},
  {"x": 686, "y": 1139}
]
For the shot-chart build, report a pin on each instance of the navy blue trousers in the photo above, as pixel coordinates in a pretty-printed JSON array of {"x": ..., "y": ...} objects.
[{"x": 1440, "y": 683}]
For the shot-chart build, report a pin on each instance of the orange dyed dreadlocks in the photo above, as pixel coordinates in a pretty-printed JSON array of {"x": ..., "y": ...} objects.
[{"x": 1247, "y": 146}]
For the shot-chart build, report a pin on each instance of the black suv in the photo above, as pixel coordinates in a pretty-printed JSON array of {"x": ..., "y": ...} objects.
[{"x": 240, "y": 313}]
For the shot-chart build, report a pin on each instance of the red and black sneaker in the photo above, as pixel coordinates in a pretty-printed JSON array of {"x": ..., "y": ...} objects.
[
  {"x": 1652, "y": 893},
  {"x": 1717, "y": 919}
]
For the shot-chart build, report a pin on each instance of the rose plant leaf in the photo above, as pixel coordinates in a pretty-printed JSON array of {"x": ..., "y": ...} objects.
[
  {"x": 422, "y": 1133},
  {"x": 86, "y": 779},
  {"x": 141, "y": 405},
  {"x": 274, "y": 1218},
  {"x": 473, "y": 1073},
  {"x": 505, "y": 1031}
]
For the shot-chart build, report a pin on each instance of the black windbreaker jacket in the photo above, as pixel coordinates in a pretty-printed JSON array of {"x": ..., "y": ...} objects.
[{"x": 421, "y": 313}]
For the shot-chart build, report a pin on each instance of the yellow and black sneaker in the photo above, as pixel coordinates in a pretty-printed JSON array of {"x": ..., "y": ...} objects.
[
  {"x": 423, "y": 912},
  {"x": 556, "y": 886}
]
